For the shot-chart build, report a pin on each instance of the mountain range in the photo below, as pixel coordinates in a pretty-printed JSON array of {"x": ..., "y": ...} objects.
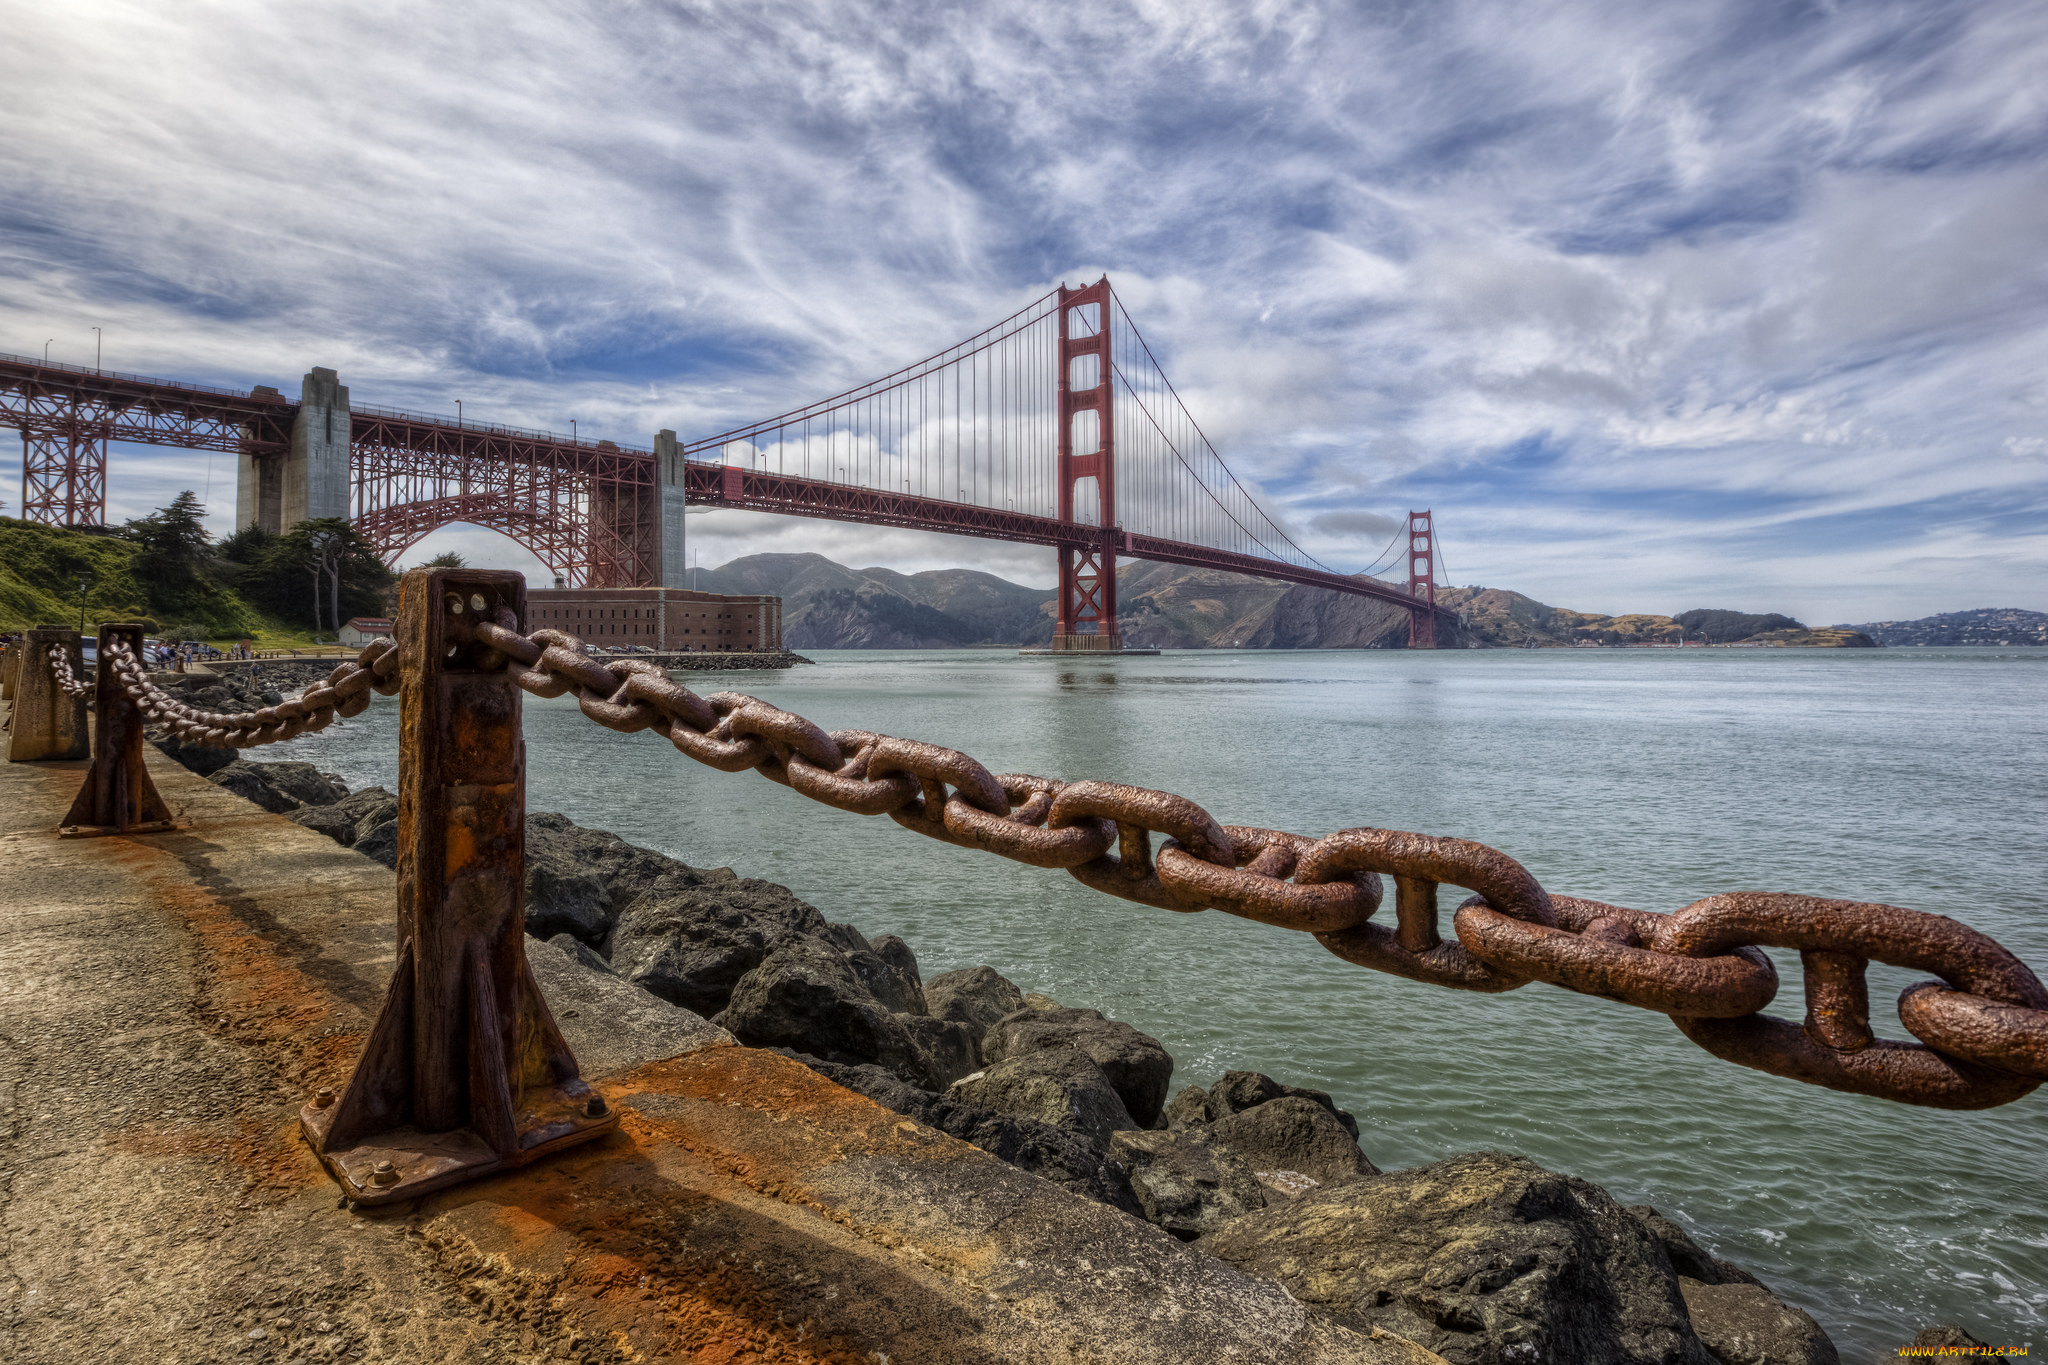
[{"x": 827, "y": 605}]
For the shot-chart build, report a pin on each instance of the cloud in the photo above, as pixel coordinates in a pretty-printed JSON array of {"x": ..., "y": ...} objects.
[{"x": 1640, "y": 299}]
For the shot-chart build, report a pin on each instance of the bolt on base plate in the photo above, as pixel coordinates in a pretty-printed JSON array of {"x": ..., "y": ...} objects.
[
  {"x": 107, "y": 831},
  {"x": 404, "y": 1163}
]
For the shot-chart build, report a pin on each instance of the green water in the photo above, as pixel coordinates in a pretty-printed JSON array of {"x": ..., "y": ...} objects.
[{"x": 1647, "y": 778}]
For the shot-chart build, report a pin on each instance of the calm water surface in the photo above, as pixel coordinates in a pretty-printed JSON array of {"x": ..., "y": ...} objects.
[{"x": 1647, "y": 778}]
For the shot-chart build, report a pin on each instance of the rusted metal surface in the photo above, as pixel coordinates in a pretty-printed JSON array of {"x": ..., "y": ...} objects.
[
  {"x": 118, "y": 797},
  {"x": 465, "y": 1071},
  {"x": 1983, "y": 1028},
  {"x": 48, "y": 719}
]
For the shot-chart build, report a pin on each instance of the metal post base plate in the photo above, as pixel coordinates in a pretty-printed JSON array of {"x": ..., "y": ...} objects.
[{"x": 424, "y": 1162}]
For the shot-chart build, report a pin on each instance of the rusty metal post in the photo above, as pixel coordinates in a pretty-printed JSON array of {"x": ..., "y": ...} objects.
[
  {"x": 9, "y": 663},
  {"x": 118, "y": 797},
  {"x": 465, "y": 1072},
  {"x": 47, "y": 723}
]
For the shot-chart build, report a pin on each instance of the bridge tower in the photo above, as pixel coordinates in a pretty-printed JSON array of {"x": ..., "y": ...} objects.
[
  {"x": 64, "y": 470},
  {"x": 1422, "y": 579},
  {"x": 1087, "y": 601}
]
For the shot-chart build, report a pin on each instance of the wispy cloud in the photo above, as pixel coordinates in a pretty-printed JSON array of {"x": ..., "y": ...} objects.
[{"x": 1656, "y": 306}]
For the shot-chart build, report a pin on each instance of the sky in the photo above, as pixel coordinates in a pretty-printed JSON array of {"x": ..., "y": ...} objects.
[{"x": 1655, "y": 305}]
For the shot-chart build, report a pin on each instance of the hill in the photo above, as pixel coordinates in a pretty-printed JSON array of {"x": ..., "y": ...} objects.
[{"x": 1983, "y": 626}]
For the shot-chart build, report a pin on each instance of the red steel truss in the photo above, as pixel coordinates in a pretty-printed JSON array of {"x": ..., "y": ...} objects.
[
  {"x": 1087, "y": 586},
  {"x": 587, "y": 509},
  {"x": 67, "y": 414}
]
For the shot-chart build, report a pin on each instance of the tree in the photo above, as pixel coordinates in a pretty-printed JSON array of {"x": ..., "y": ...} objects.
[
  {"x": 321, "y": 573},
  {"x": 447, "y": 559},
  {"x": 172, "y": 563}
]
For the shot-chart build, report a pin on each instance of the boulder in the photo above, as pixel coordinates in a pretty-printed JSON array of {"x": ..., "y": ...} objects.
[
  {"x": 1189, "y": 1107},
  {"x": 805, "y": 997},
  {"x": 846, "y": 938},
  {"x": 579, "y": 881},
  {"x": 1184, "y": 1185},
  {"x": 947, "y": 1049},
  {"x": 303, "y": 783},
  {"x": 691, "y": 945},
  {"x": 377, "y": 827},
  {"x": 1743, "y": 1324},
  {"x": 248, "y": 781},
  {"x": 1242, "y": 1090},
  {"x": 1059, "y": 1085},
  {"x": 1290, "y": 1138},
  {"x": 1137, "y": 1066},
  {"x": 898, "y": 992},
  {"x": 199, "y": 758},
  {"x": 1485, "y": 1259},
  {"x": 1051, "y": 1153},
  {"x": 978, "y": 997},
  {"x": 355, "y": 815},
  {"x": 581, "y": 954},
  {"x": 1687, "y": 1257}
]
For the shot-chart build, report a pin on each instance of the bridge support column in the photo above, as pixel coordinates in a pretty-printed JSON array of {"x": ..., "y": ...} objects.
[
  {"x": 1087, "y": 591},
  {"x": 46, "y": 722},
  {"x": 1422, "y": 580},
  {"x": 465, "y": 1072},
  {"x": 313, "y": 478},
  {"x": 673, "y": 560},
  {"x": 118, "y": 797},
  {"x": 64, "y": 471}
]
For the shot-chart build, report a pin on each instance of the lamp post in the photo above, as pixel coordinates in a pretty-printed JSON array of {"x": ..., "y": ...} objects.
[
  {"x": 572, "y": 432},
  {"x": 84, "y": 582},
  {"x": 46, "y": 351},
  {"x": 96, "y": 340}
]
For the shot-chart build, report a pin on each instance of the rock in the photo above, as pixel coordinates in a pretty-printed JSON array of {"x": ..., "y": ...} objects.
[
  {"x": 1183, "y": 1185},
  {"x": 897, "y": 954},
  {"x": 1051, "y": 1153},
  {"x": 1292, "y": 1135},
  {"x": 946, "y": 1049},
  {"x": 1189, "y": 1107},
  {"x": 581, "y": 953},
  {"x": 1743, "y": 1324},
  {"x": 1241, "y": 1090},
  {"x": 304, "y": 783},
  {"x": 898, "y": 993},
  {"x": 1137, "y": 1066},
  {"x": 805, "y": 997},
  {"x": 580, "y": 881},
  {"x": 979, "y": 997},
  {"x": 333, "y": 821},
  {"x": 1485, "y": 1259},
  {"x": 1687, "y": 1257},
  {"x": 198, "y": 758},
  {"x": 1948, "y": 1334},
  {"x": 691, "y": 945},
  {"x": 846, "y": 938},
  {"x": 377, "y": 826},
  {"x": 1059, "y": 1085},
  {"x": 247, "y": 780}
]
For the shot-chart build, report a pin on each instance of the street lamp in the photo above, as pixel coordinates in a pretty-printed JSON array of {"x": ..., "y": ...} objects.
[
  {"x": 84, "y": 582},
  {"x": 46, "y": 351},
  {"x": 458, "y": 413},
  {"x": 96, "y": 340},
  {"x": 572, "y": 431}
]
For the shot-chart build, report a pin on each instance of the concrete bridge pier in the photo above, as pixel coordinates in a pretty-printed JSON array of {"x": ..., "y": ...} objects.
[
  {"x": 310, "y": 480},
  {"x": 673, "y": 562}
]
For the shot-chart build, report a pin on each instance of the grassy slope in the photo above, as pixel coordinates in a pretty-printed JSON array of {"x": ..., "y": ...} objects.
[{"x": 39, "y": 568}]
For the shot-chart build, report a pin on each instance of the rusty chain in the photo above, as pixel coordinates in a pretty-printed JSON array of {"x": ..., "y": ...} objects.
[
  {"x": 1982, "y": 1027},
  {"x": 344, "y": 692},
  {"x": 67, "y": 681}
]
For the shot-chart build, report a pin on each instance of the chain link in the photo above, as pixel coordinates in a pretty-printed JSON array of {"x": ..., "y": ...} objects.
[{"x": 67, "y": 681}]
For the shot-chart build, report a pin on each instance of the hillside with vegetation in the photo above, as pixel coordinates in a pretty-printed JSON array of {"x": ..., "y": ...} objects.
[
  {"x": 166, "y": 570},
  {"x": 1996, "y": 626}
]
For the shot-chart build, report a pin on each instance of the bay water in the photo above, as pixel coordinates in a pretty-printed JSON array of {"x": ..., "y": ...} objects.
[{"x": 1648, "y": 778}]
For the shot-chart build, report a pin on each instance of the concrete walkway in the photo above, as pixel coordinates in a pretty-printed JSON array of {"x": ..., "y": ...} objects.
[{"x": 167, "y": 1002}]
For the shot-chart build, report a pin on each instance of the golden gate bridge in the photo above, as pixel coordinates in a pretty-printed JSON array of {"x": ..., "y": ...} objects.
[{"x": 1056, "y": 427}]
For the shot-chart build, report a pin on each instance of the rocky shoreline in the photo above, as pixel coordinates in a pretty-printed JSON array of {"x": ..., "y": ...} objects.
[{"x": 1484, "y": 1258}]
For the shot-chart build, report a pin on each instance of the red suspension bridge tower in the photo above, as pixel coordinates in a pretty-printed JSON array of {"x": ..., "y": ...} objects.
[
  {"x": 1422, "y": 579},
  {"x": 1087, "y": 477}
]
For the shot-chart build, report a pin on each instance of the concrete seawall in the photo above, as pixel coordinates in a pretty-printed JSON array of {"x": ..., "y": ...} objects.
[{"x": 167, "y": 1002}]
